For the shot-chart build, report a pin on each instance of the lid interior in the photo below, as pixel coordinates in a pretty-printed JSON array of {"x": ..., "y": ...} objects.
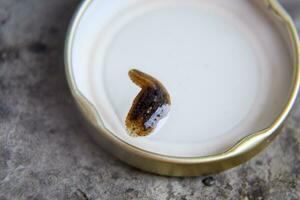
[{"x": 227, "y": 68}]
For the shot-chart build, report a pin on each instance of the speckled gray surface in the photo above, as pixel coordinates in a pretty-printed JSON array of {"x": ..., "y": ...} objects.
[{"x": 46, "y": 153}]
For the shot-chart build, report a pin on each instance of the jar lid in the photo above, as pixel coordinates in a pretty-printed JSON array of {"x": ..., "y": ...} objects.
[{"x": 232, "y": 72}]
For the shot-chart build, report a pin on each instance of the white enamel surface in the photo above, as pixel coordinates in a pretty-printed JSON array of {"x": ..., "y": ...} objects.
[{"x": 225, "y": 65}]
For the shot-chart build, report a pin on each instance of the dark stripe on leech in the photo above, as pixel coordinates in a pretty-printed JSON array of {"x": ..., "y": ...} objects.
[{"x": 148, "y": 103}]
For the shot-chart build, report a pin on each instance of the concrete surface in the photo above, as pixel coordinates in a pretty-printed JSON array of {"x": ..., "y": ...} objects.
[{"x": 46, "y": 153}]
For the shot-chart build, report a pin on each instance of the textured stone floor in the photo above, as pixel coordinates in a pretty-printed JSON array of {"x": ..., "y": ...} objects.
[{"x": 46, "y": 153}]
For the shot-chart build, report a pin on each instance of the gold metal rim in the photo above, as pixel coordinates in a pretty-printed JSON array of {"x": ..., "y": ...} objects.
[{"x": 183, "y": 166}]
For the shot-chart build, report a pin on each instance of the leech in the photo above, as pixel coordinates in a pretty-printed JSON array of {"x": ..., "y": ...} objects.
[{"x": 149, "y": 107}]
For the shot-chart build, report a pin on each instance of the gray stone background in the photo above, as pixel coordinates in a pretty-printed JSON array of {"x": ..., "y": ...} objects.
[{"x": 46, "y": 153}]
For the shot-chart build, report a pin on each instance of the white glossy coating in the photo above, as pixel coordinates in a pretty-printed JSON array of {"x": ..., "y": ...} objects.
[{"x": 226, "y": 67}]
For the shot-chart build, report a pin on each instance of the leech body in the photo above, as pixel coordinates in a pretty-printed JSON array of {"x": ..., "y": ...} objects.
[{"x": 149, "y": 107}]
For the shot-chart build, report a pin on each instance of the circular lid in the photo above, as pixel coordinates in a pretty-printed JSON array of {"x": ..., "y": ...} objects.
[{"x": 227, "y": 67}]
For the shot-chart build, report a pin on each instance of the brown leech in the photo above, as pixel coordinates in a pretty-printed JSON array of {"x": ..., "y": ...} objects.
[{"x": 150, "y": 106}]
